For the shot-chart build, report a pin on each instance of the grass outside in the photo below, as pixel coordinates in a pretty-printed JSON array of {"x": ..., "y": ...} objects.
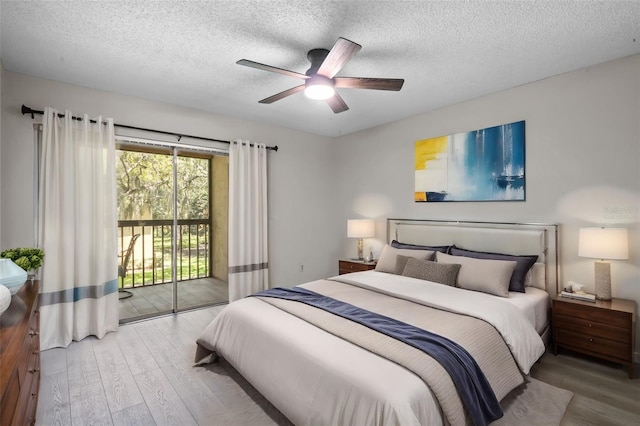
[
  {"x": 193, "y": 261},
  {"x": 163, "y": 275}
]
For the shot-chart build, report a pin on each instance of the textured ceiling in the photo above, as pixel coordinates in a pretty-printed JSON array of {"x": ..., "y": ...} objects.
[{"x": 185, "y": 52}]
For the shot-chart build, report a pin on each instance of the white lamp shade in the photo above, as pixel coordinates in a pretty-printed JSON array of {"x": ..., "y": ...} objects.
[
  {"x": 361, "y": 228},
  {"x": 603, "y": 243}
]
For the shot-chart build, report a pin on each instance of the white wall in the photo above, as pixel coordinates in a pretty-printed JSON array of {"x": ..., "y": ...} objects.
[
  {"x": 300, "y": 173},
  {"x": 582, "y": 164}
]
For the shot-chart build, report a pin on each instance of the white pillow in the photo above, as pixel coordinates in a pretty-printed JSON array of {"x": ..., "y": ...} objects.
[
  {"x": 485, "y": 275},
  {"x": 536, "y": 277},
  {"x": 387, "y": 260}
]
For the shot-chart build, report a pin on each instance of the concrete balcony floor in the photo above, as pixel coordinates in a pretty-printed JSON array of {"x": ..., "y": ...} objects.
[{"x": 157, "y": 299}]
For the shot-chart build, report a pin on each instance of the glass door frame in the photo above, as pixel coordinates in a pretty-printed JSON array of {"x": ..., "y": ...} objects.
[{"x": 147, "y": 146}]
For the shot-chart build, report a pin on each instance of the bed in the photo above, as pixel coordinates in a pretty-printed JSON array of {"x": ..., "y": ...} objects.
[{"x": 320, "y": 368}]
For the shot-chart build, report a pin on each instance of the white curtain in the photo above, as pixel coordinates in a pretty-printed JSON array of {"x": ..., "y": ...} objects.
[
  {"x": 77, "y": 229},
  {"x": 248, "y": 248}
]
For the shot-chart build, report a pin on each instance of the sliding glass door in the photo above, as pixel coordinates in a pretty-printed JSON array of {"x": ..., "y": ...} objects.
[{"x": 165, "y": 231}]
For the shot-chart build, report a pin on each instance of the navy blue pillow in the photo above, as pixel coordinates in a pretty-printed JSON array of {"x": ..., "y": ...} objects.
[
  {"x": 400, "y": 245},
  {"x": 523, "y": 264}
]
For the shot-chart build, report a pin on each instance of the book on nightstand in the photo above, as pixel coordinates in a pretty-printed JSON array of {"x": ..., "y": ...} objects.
[{"x": 580, "y": 296}]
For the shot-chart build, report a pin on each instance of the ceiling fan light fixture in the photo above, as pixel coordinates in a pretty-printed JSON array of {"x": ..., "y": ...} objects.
[{"x": 319, "y": 88}]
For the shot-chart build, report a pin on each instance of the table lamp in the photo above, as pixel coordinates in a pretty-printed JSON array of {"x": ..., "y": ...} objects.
[
  {"x": 603, "y": 243},
  {"x": 360, "y": 228}
]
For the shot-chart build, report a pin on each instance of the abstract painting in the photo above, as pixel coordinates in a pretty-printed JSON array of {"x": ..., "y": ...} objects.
[{"x": 481, "y": 165}]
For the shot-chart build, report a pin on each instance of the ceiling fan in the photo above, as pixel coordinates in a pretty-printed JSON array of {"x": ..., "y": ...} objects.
[{"x": 320, "y": 80}]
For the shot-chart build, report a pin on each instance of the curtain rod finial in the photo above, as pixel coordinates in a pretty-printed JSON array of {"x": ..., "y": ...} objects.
[{"x": 26, "y": 110}]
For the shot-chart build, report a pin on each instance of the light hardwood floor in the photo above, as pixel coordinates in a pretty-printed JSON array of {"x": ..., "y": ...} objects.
[
  {"x": 603, "y": 392},
  {"x": 144, "y": 375}
]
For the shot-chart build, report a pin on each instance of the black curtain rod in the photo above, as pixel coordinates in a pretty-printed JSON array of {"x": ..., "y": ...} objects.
[{"x": 26, "y": 110}]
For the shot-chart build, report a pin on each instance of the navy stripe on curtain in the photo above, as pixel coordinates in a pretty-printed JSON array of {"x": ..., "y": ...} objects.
[{"x": 79, "y": 293}]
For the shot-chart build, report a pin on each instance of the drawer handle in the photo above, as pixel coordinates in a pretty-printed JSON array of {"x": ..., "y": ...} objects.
[
  {"x": 33, "y": 333},
  {"x": 34, "y": 370},
  {"x": 589, "y": 325},
  {"x": 590, "y": 339}
]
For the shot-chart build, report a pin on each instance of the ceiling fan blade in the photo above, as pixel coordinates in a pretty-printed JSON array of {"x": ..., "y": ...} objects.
[
  {"x": 252, "y": 64},
  {"x": 394, "y": 84},
  {"x": 338, "y": 56},
  {"x": 337, "y": 104},
  {"x": 278, "y": 96}
]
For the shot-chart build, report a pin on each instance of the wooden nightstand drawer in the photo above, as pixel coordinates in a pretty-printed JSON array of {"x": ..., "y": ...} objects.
[
  {"x": 593, "y": 344},
  {"x": 619, "y": 319},
  {"x": 348, "y": 266},
  {"x": 592, "y": 328}
]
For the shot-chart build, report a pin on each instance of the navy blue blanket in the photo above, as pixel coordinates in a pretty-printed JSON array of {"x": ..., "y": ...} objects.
[{"x": 475, "y": 392}]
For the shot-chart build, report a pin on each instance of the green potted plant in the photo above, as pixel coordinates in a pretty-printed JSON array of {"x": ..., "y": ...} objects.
[{"x": 29, "y": 259}]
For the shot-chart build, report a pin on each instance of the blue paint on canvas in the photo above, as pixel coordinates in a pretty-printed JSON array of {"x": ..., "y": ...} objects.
[{"x": 487, "y": 164}]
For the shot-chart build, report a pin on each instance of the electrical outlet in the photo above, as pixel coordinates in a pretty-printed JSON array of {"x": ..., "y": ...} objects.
[{"x": 301, "y": 267}]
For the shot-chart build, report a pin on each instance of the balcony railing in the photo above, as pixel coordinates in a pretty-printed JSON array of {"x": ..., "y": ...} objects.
[{"x": 151, "y": 259}]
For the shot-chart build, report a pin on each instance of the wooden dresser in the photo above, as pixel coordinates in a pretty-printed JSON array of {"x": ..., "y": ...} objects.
[
  {"x": 348, "y": 266},
  {"x": 20, "y": 357},
  {"x": 603, "y": 329}
]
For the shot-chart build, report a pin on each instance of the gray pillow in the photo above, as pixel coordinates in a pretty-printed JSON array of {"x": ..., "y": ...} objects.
[{"x": 441, "y": 273}]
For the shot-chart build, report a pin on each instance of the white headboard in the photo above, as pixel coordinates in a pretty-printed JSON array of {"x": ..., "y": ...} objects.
[{"x": 497, "y": 237}]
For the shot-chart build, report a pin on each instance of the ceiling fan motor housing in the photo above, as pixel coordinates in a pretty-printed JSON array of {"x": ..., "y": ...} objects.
[{"x": 316, "y": 57}]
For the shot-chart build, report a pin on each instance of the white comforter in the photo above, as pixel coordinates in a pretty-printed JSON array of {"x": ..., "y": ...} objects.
[{"x": 314, "y": 378}]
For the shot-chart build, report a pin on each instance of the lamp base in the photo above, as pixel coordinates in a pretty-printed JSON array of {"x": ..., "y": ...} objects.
[
  {"x": 360, "y": 249},
  {"x": 603, "y": 280}
]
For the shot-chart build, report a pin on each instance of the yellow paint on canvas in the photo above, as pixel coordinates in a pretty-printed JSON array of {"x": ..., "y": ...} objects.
[{"x": 427, "y": 149}]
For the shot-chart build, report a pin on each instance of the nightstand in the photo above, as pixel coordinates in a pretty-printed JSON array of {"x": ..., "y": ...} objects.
[
  {"x": 354, "y": 265},
  {"x": 604, "y": 329}
]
